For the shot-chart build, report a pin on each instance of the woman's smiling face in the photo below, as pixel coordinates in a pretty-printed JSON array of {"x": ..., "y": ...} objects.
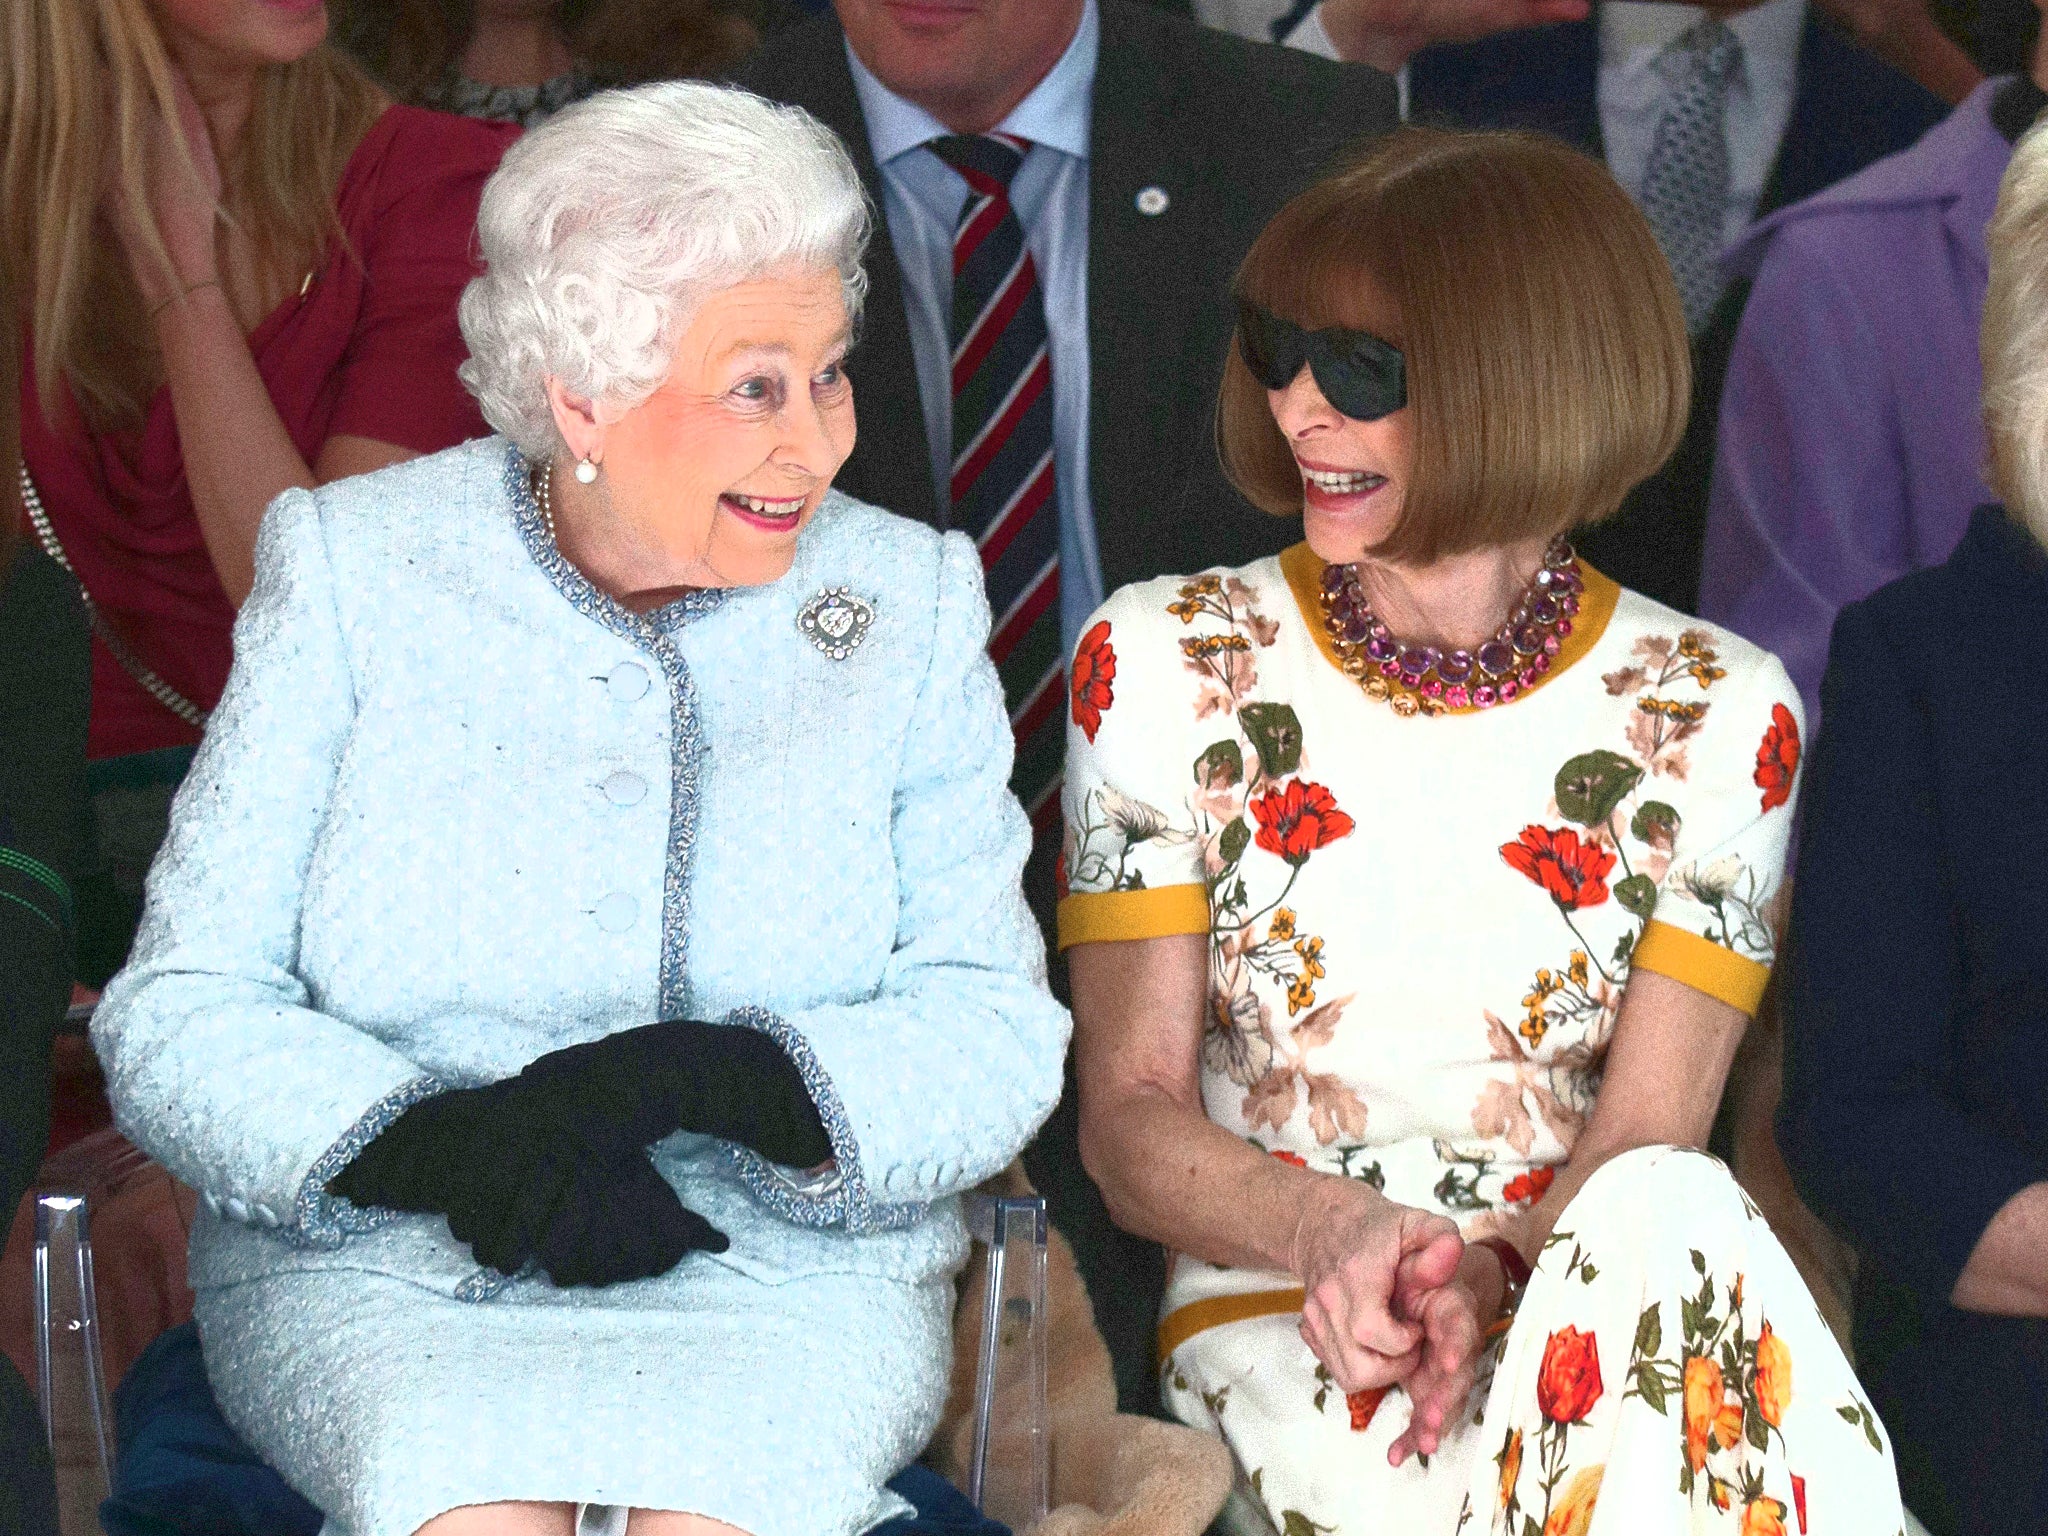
[{"x": 712, "y": 477}]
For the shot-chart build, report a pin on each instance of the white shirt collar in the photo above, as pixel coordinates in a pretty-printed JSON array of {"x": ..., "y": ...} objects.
[
  {"x": 1055, "y": 114},
  {"x": 1634, "y": 32}
]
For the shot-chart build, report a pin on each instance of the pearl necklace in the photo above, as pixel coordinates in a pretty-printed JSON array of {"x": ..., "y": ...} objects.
[
  {"x": 543, "y": 482},
  {"x": 1421, "y": 679}
]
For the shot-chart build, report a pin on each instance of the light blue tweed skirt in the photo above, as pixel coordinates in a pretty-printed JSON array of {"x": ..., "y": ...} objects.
[{"x": 777, "y": 1408}]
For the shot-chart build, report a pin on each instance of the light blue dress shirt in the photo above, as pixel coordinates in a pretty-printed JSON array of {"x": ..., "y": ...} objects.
[{"x": 921, "y": 199}]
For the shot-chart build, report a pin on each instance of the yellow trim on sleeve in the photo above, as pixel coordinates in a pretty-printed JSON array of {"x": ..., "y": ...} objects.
[
  {"x": 1702, "y": 965},
  {"x": 1100, "y": 917},
  {"x": 1183, "y": 1323},
  {"x": 1303, "y": 568}
]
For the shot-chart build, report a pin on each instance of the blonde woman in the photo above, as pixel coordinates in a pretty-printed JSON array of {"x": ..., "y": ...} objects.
[
  {"x": 238, "y": 266},
  {"x": 1916, "y": 1091},
  {"x": 1421, "y": 883}
]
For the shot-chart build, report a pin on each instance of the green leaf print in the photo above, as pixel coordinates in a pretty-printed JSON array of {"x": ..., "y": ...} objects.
[
  {"x": 1530, "y": 1527},
  {"x": 1655, "y": 823},
  {"x": 1592, "y": 786},
  {"x": 1650, "y": 1331},
  {"x": 1637, "y": 895},
  {"x": 1275, "y": 732},
  {"x": 1236, "y": 837},
  {"x": 1754, "y": 1429},
  {"x": 1221, "y": 766},
  {"x": 1294, "y": 1523}
]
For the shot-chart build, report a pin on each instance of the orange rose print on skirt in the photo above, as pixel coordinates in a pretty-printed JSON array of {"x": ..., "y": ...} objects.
[
  {"x": 1773, "y": 1377},
  {"x": 1568, "y": 1383},
  {"x": 1763, "y": 1517},
  {"x": 1708, "y": 1411},
  {"x": 1573, "y": 1513},
  {"x": 1777, "y": 758},
  {"x": 1510, "y": 1460},
  {"x": 1363, "y": 1405},
  {"x": 1094, "y": 673}
]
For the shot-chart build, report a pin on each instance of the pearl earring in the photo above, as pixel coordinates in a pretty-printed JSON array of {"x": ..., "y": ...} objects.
[{"x": 586, "y": 472}]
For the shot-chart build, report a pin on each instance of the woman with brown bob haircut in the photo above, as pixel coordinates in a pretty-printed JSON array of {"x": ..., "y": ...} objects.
[{"x": 1419, "y": 884}]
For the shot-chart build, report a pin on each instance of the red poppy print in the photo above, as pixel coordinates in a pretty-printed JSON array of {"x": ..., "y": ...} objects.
[
  {"x": 1296, "y": 820},
  {"x": 1292, "y": 1159},
  {"x": 1094, "y": 673},
  {"x": 1573, "y": 873},
  {"x": 1527, "y": 1188},
  {"x": 1777, "y": 758}
]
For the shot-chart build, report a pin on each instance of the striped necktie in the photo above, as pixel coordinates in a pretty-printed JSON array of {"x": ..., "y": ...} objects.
[{"x": 1002, "y": 488}]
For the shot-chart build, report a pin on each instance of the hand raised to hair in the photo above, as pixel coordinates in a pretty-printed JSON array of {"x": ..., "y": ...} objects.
[
  {"x": 1387, "y": 33},
  {"x": 182, "y": 180}
]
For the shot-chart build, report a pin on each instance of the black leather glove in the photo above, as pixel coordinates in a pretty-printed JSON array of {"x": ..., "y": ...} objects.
[
  {"x": 521, "y": 1183},
  {"x": 722, "y": 1080}
]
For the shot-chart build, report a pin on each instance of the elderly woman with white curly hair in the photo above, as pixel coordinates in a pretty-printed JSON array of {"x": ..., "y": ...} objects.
[{"x": 588, "y": 959}]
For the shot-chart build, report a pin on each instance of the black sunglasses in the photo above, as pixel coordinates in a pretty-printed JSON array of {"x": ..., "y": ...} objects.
[{"x": 1361, "y": 375}]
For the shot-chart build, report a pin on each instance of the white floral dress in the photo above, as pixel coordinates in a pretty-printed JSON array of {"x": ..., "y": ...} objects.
[{"x": 1419, "y": 933}]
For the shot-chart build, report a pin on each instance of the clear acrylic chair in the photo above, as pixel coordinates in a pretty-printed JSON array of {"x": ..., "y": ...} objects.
[{"x": 1008, "y": 1476}]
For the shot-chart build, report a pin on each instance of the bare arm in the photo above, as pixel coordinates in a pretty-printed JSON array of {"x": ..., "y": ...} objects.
[
  {"x": 2008, "y": 1270},
  {"x": 1666, "y": 1066},
  {"x": 1378, "y": 1307},
  {"x": 238, "y": 455}
]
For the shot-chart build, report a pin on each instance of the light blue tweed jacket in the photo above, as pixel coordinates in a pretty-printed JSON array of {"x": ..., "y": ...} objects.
[{"x": 458, "y": 809}]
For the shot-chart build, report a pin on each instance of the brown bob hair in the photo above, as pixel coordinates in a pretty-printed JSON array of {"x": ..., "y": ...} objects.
[{"x": 1548, "y": 366}]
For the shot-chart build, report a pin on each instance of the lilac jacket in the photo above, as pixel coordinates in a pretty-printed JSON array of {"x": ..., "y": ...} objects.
[{"x": 1850, "y": 449}]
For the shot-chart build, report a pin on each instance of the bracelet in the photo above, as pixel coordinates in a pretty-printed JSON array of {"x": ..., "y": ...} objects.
[
  {"x": 1514, "y": 1270},
  {"x": 184, "y": 293}
]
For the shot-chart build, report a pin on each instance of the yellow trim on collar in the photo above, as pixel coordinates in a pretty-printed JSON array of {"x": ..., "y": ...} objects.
[
  {"x": 1303, "y": 568},
  {"x": 1702, "y": 965},
  {"x": 1104, "y": 917}
]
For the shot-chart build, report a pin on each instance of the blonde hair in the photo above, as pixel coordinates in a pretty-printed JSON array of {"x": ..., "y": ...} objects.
[
  {"x": 2015, "y": 337},
  {"x": 79, "y": 80},
  {"x": 1548, "y": 367}
]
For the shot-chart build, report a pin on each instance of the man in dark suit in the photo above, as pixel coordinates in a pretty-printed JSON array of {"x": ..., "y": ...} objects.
[
  {"x": 1068, "y": 186},
  {"x": 1789, "y": 105}
]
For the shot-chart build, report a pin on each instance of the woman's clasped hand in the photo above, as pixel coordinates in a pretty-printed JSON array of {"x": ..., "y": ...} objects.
[
  {"x": 1394, "y": 1297},
  {"x": 550, "y": 1168}
]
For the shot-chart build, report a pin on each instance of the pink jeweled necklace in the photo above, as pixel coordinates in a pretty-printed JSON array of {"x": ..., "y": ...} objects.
[{"x": 1423, "y": 679}]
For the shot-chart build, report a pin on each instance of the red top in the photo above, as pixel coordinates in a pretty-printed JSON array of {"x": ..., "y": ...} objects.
[{"x": 369, "y": 349}]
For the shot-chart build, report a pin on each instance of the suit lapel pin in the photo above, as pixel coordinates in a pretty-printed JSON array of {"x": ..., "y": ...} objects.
[
  {"x": 836, "y": 622},
  {"x": 1152, "y": 201}
]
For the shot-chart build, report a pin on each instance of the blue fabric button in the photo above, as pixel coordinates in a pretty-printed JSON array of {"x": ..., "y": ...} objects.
[
  {"x": 615, "y": 913},
  {"x": 625, "y": 788},
  {"x": 627, "y": 682}
]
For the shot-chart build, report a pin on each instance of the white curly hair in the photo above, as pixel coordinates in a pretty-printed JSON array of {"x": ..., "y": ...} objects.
[
  {"x": 603, "y": 230},
  {"x": 2015, "y": 336}
]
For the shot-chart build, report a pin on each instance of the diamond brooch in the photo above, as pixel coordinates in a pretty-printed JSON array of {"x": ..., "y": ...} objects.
[{"x": 836, "y": 622}]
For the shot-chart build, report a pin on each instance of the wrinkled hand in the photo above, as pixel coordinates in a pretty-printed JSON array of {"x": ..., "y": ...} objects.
[
  {"x": 1454, "y": 1319},
  {"x": 184, "y": 191},
  {"x": 521, "y": 1187},
  {"x": 1361, "y": 1257},
  {"x": 1387, "y": 33}
]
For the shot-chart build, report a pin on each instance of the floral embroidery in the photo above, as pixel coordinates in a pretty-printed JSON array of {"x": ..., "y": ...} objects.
[
  {"x": 1574, "y": 874},
  {"x": 1094, "y": 676},
  {"x": 1529, "y": 1187},
  {"x": 1573, "y": 1514},
  {"x": 1777, "y": 758},
  {"x": 1297, "y": 820},
  {"x": 1568, "y": 1383},
  {"x": 1661, "y": 726}
]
